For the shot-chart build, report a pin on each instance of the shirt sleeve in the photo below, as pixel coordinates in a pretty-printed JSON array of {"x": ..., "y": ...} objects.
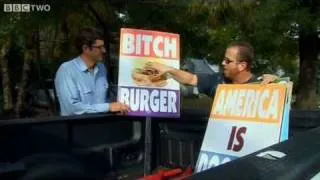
[
  {"x": 207, "y": 83},
  {"x": 69, "y": 96}
]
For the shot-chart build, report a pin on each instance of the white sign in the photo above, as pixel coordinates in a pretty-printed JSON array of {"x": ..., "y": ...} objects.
[{"x": 244, "y": 119}]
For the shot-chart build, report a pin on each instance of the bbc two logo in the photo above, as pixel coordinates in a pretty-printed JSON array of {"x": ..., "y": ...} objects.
[{"x": 26, "y": 7}]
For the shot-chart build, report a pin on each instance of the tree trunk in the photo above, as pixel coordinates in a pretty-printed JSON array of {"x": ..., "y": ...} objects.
[
  {"x": 7, "y": 96},
  {"x": 53, "y": 48},
  {"x": 306, "y": 92},
  {"x": 21, "y": 103},
  {"x": 41, "y": 79},
  {"x": 65, "y": 45}
]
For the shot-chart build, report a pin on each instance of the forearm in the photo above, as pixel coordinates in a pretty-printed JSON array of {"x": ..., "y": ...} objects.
[
  {"x": 183, "y": 77},
  {"x": 80, "y": 108},
  {"x": 91, "y": 108}
]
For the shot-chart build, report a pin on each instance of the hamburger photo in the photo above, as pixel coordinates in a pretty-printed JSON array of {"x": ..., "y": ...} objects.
[{"x": 148, "y": 76}]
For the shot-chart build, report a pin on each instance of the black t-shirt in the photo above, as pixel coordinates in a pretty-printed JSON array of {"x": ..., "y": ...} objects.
[{"x": 208, "y": 83}]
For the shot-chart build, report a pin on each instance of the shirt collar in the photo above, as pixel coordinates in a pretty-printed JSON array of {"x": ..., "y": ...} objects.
[
  {"x": 80, "y": 64},
  {"x": 83, "y": 67},
  {"x": 252, "y": 79}
]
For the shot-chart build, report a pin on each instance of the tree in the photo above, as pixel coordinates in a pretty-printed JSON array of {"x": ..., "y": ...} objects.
[
  {"x": 35, "y": 31},
  {"x": 309, "y": 48},
  {"x": 278, "y": 30},
  {"x": 7, "y": 30}
]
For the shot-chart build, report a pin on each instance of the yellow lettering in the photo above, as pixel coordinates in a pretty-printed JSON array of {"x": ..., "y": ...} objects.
[
  {"x": 248, "y": 103},
  {"x": 255, "y": 104},
  {"x": 273, "y": 106},
  {"x": 239, "y": 106},
  {"x": 261, "y": 112},
  {"x": 230, "y": 103},
  {"x": 218, "y": 109},
  {"x": 250, "y": 97}
]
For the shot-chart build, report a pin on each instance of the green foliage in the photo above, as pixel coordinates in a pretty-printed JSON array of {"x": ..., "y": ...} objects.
[{"x": 205, "y": 27}]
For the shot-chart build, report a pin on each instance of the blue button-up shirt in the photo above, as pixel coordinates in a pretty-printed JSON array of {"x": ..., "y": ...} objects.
[{"x": 80, "y": 91}]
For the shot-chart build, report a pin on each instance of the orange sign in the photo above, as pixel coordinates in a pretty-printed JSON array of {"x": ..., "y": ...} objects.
[{"x": 253, "y": 102}]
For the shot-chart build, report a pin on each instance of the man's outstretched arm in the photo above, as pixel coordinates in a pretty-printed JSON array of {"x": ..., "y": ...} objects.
[
  {"x": 187, "y": 78},
  {"x": 181, "y": 76}
]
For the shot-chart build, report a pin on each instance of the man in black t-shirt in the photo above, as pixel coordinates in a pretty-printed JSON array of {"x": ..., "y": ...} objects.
[{"x": 236, "y": 64}]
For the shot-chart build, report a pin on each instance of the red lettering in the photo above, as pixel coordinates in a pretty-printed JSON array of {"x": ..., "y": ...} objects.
[
  {"x": 233, "y": 131},
  {"x": 239, "y": 137},
  {"x": 150, "y": 44}
]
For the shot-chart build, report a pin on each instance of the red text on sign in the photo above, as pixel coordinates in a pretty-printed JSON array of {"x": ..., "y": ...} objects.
[
  {"x": 144, "y": 44},
  {"x": 238, "y": 135}
]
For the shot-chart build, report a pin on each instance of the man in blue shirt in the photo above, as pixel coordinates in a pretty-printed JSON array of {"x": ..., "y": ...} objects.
[{"x": 81, "y": 83}]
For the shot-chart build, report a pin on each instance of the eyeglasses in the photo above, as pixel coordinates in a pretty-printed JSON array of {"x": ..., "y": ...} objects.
[
  {"x": 227, "y": 60},
  {"x": 101, "y": 47}
]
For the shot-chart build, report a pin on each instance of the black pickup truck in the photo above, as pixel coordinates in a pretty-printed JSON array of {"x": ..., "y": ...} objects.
[{"x": 104, "y": 146}]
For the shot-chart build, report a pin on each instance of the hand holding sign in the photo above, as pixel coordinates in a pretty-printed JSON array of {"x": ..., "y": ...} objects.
[
  {"x": 268, "y": 78},
  {"x": 119, "y": 108}
]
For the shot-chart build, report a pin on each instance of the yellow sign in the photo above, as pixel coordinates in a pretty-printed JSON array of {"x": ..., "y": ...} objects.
[{"x": 252, "y": 102}]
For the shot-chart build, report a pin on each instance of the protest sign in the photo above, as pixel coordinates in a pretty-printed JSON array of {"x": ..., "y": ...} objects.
[
  {"x": 147, "y": 91},
  {"x": 244, "y": 119}
]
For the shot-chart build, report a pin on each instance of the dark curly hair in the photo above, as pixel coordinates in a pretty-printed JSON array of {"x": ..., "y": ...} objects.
[{"x": 87, "y": 36}]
